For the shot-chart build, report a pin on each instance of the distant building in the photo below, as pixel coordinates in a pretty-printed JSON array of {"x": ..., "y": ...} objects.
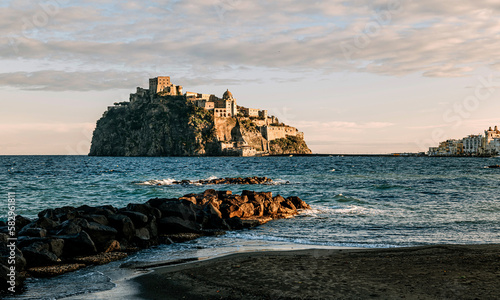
[
  {"x": 472, "y": 145},
  {"x": 162, "y": 84}
]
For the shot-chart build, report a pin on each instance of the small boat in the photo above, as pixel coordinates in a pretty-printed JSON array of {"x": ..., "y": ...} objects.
[{"x": 493, "y": 167}]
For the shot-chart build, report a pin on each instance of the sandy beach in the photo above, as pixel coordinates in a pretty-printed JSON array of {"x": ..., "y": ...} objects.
[{"x": 428, "y": 272}]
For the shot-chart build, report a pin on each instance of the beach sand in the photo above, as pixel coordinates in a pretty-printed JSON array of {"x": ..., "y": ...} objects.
[{"x": 428, "y": 272}]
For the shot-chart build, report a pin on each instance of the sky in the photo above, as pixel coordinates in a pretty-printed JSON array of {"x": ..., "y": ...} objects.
[{"x": 358, "y": 76}]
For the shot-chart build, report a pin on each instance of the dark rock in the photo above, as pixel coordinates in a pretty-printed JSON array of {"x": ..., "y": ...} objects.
[
  {"x": 123, "y": 225},
  {"x": 173, "y": 224},
  {"x": 157, "y": 202},
  {"x": 235, "y": 223},
  {"x": 21, "y": 222},
  {"x": 59, "y": 214},
  {"x": 69, "y": 227},
  {"x": 100, "y": 234},
  {"x": 139, "y": 219},
  {"x": 44, "y": 223},
  {"x": 33, "y": 232},
  {"x": 180, "y": 208},
  {"x": 56, "y": 246},
  {"x": 105, "y": 210},
  {"x": 142, "y": 234},
  {"x": 38, "y": 254},
  {"x": 101, "y": 219},
  {"x": 79, "y": 244},
  {"x": 145, "y": 209}
]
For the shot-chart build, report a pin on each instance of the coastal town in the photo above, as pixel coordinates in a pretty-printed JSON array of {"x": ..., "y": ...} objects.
[{"x": 472, "y": 145}]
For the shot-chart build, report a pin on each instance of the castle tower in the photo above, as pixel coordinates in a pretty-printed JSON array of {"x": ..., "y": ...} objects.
[{"x": 230, "y": 102}]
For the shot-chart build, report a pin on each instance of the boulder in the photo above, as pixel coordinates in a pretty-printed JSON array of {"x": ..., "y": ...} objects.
[
  {"x": 39, "y": 254},
  {"x": 59, "y": 214},
  {"x": 181, "y": 208},
  {"x": 101, "y": 219},
  {"x": 139, "y": 219},
  {"x": 78, "y": 244},
  {"x": 173, "y": 224},
  {"x": 56, "y": 246},
  {"x": 123, "y": 225},
  {"x": 100, "y": 234},
  {"x": 44, "y": 223},
  {"x": 145, "y": 209},
  {"x": 32, "y": 232},
  {"x": 298, "y": 203},
  {"x": 247, "y": 210},
  {"x": 69, "y": 227},
  {"x": 21, "y": 222},
  {"x": 142, "y": 234}
]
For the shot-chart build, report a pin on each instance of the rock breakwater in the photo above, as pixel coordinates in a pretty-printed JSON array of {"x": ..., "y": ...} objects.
[{"x": 68, "y": 238}]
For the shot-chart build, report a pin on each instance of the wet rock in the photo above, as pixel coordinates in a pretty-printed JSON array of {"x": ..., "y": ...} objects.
[
  {"x": 21, "y": 222},
  {"x": 69, "y": 227},
  {"x": 101, "y": 219},
  {"x": 56, "y": 246},
  {"x": 123, "y": 225},
  {"x": 38, "y": 254},
  {"x": 44, "y": 223},
  {"x": 59, "y": 214},
  {"x": 298, "y": 203},
  {"x": 181, "y": 208},
  {"x": 33, "y": 232},
  {"x": 77, "y": 245},
  {"x": 171, "y": 225},
  {"x": 100, "y": 234},
  {"x": 145, "y": 209},
  {"x": 139, "y": 219},
  {"x": 142, "y": 234}
]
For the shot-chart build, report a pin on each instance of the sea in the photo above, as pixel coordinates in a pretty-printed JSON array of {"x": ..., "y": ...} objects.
[{"x": 357, "y": 201}]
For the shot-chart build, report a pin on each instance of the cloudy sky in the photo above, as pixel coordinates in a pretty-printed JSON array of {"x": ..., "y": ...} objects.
[{"x": 358, "y": 76}]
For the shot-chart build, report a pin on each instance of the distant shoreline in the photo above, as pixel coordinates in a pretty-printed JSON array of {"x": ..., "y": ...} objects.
[{"x": 274, "y": 155}]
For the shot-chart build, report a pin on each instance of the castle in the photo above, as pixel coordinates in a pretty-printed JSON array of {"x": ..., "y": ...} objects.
[{"x": 256, "y": 138}]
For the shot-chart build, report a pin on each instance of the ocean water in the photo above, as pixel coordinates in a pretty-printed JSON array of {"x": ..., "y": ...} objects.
[{"x": 357, "y": 202}]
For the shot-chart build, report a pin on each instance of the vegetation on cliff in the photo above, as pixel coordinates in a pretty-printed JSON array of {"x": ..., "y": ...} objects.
[
  {"x": 161, "y": 126},
  {"x": 289, "y": 145}
]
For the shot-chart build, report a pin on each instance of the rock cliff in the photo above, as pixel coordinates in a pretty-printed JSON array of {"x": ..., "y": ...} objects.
[{"x": 156, "y": 125}]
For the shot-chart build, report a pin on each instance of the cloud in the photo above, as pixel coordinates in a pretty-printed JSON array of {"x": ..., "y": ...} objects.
[{"x": 442, "y": 39}]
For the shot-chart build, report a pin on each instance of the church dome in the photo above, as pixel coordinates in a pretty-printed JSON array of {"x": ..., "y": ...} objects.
[{"x": 227, "y": 95}]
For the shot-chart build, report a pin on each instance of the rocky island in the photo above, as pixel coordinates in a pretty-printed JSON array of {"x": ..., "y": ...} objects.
[{"x": 164, "y": 121}]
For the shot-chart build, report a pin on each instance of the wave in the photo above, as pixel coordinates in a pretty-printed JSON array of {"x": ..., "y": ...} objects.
[
  {"x": 300, "y": 241},
  {"x": 199, "y": 182},
  {"x": 168, "y": 181}
]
